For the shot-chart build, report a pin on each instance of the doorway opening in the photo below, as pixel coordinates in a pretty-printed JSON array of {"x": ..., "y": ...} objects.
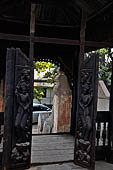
[
  {"x": 51, "y": 140},
  {"x": 52, "y": 99}
]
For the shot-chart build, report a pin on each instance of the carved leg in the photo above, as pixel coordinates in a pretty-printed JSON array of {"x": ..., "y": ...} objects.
[
  {"x": 88, "y": 128},
  {"x": 24, "y": 121}
]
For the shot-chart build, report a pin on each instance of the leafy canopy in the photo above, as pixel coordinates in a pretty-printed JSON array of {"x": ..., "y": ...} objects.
[
  {"x": 47, "y": 70},
  {"x": 44, "y": 70},
  {"x": 38, "y": 93},
  {"x": 105, "y": 65}
]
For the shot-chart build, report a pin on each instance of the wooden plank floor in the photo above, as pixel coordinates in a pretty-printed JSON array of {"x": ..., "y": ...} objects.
[
  {"x": 100, "y": 165},
  {"x": 52, "y": 149}
]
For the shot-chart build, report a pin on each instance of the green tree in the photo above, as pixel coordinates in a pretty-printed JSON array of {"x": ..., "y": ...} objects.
[
  {"x": 49, "y": 71},
  {"x": 105, "y": 65},
  {"x": 38, "y": 93}
]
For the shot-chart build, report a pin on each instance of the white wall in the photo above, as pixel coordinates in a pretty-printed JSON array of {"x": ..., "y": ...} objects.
[
  {"x": 103, "y": 97},
  {"x": 49, "y": 97}
]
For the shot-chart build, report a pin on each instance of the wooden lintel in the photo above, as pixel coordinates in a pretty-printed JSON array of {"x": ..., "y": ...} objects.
[
  {"x": 59, "y": 41},
  {"x": 44, "y": 1},
  {"x": 46, "y": 40}
]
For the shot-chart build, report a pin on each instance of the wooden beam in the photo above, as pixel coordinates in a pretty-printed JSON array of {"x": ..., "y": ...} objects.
[
  {"x": 100, "y": 11},
  {"x": 59, "y": 41},
  {"x": 45, "y": 1},
  {"x": 46, "y": 40},
  {"x": 13, "y": 37},
  {"x": 59, "y": 26}
]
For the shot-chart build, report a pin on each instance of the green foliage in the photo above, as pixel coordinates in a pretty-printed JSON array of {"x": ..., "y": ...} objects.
[
  {"x": 49, "y": 71},
  {"x": 105, "y": 66},
  {"x": 38, "y": 93}
]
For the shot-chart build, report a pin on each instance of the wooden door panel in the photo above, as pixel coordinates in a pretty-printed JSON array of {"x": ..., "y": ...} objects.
[
  {"x": 86, "y": 114},
  {"x": 18, "y": 111}
]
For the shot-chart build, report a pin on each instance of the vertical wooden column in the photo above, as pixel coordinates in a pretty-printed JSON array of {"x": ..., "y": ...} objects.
[
  {"x": 32, "y": 32},
  {"x": 74, "y": 90},
  {"x": 82, "y": 38},
  {"x": 10, "y": 67},
  {"x": 110, "y": 128},
  {"x": 81, "y": 53},
  {"x": 82, "y": 48},
  {"x": 31, "y": 51},
  {"x": 79, "y": 62}
]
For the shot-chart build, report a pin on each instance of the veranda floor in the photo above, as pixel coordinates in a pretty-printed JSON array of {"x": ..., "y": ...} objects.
[
  {"x": 52, "y": 149},
  {"x": 57, "y": 151},
  {"x": 70, "y": 166}
]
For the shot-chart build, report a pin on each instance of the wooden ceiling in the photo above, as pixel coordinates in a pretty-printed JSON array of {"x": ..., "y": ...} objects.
[{"x": 58, "y": 18}]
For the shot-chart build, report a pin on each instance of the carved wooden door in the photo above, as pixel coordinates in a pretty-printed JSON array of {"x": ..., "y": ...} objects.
[
  {"x": 86, "y": 113},
  {"x": 18, "y": 111}
]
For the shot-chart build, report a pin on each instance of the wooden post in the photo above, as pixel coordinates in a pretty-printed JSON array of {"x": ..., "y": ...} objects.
[
  {"x": 110, "y": 132},
  {"x": 74, "y": 90},
  {"x": 80, "y": 66},
  {"x": 32, "y": 32},
  {"x": 78, "y": 62},
  {"x": 82, "y": 37},
  {"x": 10, "y": 67},
  {"x": 31, "y": 52},
  {"x": 81, "y": 53}
]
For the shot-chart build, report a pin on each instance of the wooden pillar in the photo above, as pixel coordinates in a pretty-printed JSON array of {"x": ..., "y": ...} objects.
[
  {"x": 31, "y": 51},
  {"x": 32, "y": 32},
  {"x": 74, "y": 90},
  {"x": 8, "y": 118},
  {"x": 110, "y": 128},
  {"x": 82, "y": 38},
  {"x": 79, "y": 62}
]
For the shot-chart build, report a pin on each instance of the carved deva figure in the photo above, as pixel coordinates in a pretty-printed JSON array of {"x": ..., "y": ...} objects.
[
  {"x": 85, "y": 101},
  {"x": 23, "y": 105}
]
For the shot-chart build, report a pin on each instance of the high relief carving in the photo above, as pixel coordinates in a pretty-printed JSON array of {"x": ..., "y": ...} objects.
[
  {"x": 22, "y": 119},
  {"x": 84, "y": 117}
]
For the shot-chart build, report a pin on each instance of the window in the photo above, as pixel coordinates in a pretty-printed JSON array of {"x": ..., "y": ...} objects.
[
  {"x": 45, "y": 90},
  {"x": 36, "y": 108},
  {"x": 44, "y": 108}
]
